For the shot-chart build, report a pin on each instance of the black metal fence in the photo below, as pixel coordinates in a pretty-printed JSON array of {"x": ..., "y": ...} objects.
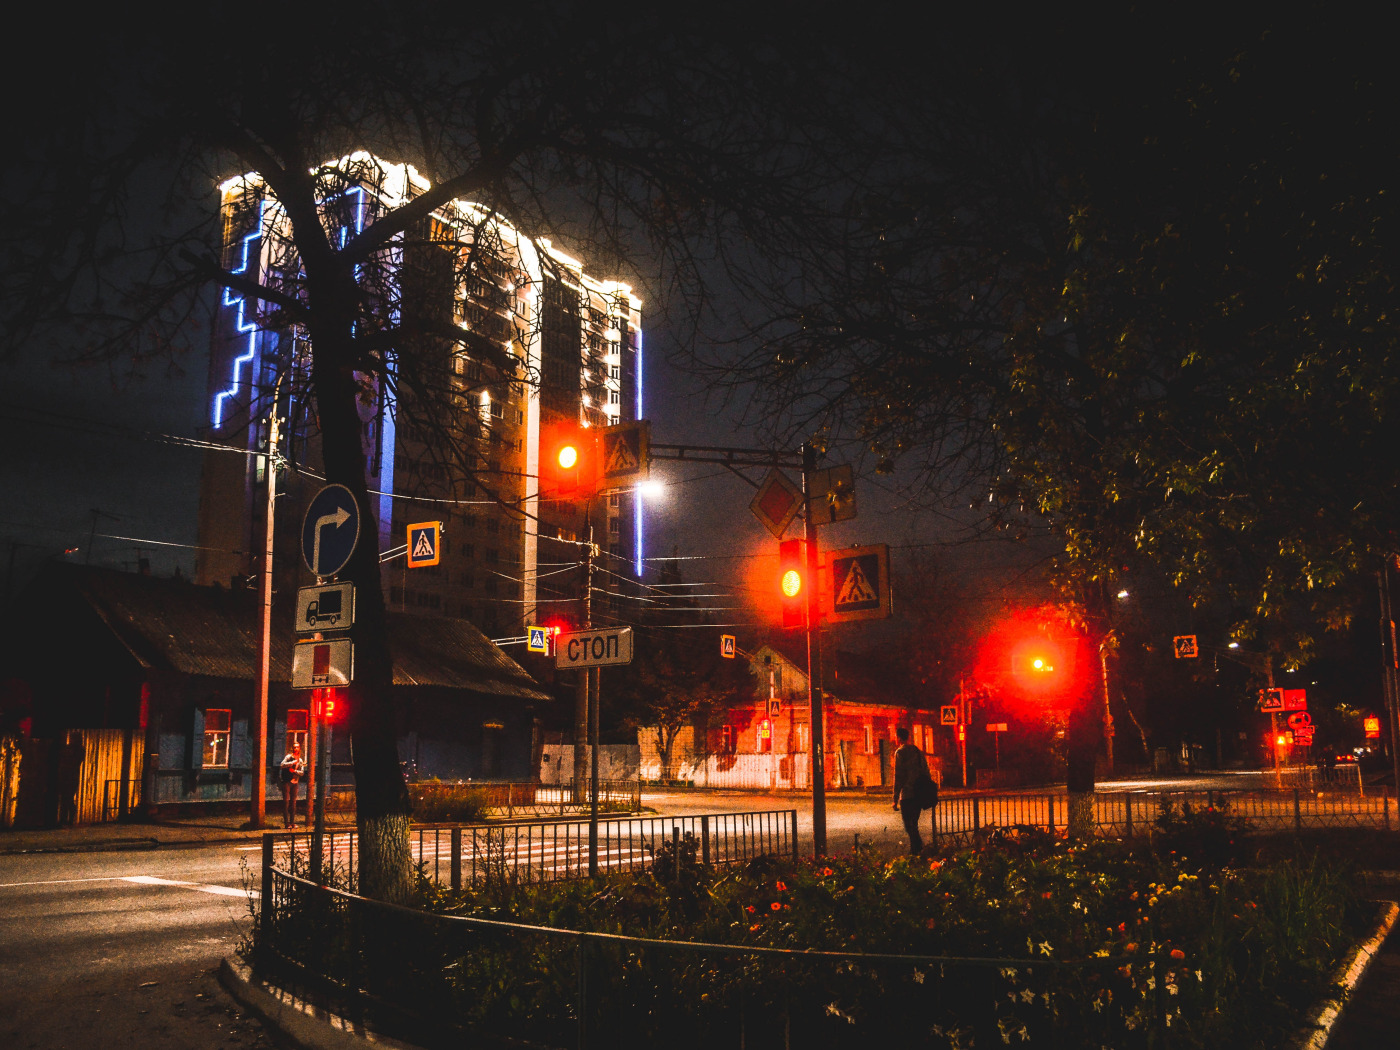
[
  {"x": 531, "y": 799},
  {"x": 544, "y": 851},
  {"x": 1132, "y": 813},
  {"x": 439, "y": 980}
]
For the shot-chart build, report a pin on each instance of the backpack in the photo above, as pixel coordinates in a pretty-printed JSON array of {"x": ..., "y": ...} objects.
[
  {"x": 926, "y": 793},
  {"x": 284, "y": 773}
]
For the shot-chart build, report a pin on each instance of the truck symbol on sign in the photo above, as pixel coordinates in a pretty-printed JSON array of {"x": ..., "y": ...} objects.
[{"x": 325, "y": 609}]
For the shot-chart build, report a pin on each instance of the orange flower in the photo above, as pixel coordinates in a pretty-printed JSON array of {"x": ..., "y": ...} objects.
[
  {"x": 775, "y": 906},
  {"x": 930, "y": 924},
  {"x": 1131, "y": 946},
  {"x": 782, "y": 887},
  {"x": 750, "y": 909},
  {"x": 1177, "y": 953},
  {"x": 826, "y": 871}
]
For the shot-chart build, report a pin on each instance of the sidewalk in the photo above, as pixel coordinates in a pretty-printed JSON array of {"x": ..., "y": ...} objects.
[{"x": 163, "y": 833}]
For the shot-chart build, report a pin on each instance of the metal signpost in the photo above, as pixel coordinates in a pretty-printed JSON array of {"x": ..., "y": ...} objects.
[{"x": 584, "y": 651}]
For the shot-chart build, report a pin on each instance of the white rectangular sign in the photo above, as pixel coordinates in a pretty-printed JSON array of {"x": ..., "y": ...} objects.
[
  {"x": 597, "y": 648},
  {"x": 319, "y": 664}
]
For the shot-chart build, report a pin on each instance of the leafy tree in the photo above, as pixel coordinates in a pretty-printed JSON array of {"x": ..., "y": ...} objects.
[{"x": 1137, "y": 298}]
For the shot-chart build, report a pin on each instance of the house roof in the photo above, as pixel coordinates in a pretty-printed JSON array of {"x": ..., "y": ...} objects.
[
  {"x": 178, "y": 626},
  {"x": 853, "y": 678}
]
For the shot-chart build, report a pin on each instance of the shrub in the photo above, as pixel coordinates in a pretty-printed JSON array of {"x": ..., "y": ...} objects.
[
  {"x": 1204, "y": 836},
  {"x": 435, "y": 802}
]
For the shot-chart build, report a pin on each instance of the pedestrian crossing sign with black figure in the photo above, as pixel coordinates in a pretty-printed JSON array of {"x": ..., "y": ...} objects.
[
  {"x": 424, "y": 544},
  {"x": 860, "y": 583},
  {"x": 627, "y": 451}
]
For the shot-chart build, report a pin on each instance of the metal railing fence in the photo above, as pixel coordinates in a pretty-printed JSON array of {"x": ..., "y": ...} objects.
[
  {"x": 457, "y": 855},
  {"x": 1130, "y": 813},
  {"x": 441, "y": 979},
  {"x": 531, "y": 799}
]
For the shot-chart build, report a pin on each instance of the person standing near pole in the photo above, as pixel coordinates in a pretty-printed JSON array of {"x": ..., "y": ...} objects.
[
  {"x": 289, "y": 775},
  {"x": 914, "y": 789}
]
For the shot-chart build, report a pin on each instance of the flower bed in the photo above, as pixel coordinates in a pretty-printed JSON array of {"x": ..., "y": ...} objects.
[{"x": 1026, "y": 938}]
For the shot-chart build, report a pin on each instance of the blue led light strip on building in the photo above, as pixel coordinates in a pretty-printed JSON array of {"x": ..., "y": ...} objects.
[
  {"x": 636, "y": 501},
  {"x": 250, "y": 328},
  {"x": 242, "y": 326}
]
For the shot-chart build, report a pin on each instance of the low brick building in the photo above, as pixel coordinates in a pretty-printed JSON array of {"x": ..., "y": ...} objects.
[{"x": 767, "y": 744}]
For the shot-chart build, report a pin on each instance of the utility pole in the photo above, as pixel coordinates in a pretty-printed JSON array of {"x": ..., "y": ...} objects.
[{"x": 258, "y": 815}]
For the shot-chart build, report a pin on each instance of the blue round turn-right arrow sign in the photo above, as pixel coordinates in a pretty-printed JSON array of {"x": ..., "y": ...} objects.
[{"x": 329, "y": 530}]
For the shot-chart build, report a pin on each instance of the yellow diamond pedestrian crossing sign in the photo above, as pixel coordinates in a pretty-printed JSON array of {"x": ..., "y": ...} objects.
[{"x": 860, "y": 583}]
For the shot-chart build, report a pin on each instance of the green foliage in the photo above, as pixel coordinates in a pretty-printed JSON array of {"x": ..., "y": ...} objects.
[
  {"x": 1206, "y": 836},
  {"x": 435, "y": 802}
]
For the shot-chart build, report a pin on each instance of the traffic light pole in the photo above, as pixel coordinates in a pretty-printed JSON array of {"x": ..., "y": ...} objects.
[
  {"x": 591, "y": 682},
  {"x": 735, "y": 458},
  {"x": 814, "y": 660}
]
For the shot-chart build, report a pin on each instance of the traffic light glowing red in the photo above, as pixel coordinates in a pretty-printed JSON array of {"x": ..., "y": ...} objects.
[
  {"x": 566, "y": 461},
  {"x": 792, "y": 574}
]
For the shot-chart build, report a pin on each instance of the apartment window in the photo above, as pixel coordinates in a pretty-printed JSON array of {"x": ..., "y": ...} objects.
[
  {"x": 614, "y": 398},
  {"x": 217, "y": 729},
  {"x": 615, "y": 371},
  {"x": 726, "y": 740},
  {"x": 615, "y": 526},
  {"x": 296, "y": 729},
  {"x": 869, "y": 740},
  {"x": 614, "y": 500}
]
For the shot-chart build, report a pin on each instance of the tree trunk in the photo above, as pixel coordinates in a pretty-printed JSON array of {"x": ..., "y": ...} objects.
[
  {"x": 382, "y": 802},
  {"x": 1084, "y": 738},
  {"x": 665, "y": 744}
]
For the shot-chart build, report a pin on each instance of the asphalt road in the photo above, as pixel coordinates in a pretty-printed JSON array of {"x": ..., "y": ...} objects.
[
  {"x": 122, "y": 946},
  {"x": 119, "y": 950}
]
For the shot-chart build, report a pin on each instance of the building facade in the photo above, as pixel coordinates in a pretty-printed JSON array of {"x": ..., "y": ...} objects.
[
  {"x": 498, "y": 338},
  {"x": 767, "y": 744}
]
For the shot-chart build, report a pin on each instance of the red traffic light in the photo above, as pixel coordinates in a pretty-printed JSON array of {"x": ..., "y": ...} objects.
[
  {"x": 792, "y": 582},
  {"x": 567, "y": 461}
]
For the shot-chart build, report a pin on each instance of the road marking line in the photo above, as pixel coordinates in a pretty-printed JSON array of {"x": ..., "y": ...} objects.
[
  {"x": 222, "y": 891},
  {"x": 58, "y": 882}
]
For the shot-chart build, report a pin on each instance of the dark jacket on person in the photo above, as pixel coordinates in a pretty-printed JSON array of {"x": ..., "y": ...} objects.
[{"x": 911, "y": 776}]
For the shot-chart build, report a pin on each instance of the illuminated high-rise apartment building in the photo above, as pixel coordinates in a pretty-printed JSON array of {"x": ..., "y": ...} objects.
[{"x": 501, "y": 337}]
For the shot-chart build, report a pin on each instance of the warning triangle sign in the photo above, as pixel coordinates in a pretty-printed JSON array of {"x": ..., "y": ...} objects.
[
  {"x": 857, "y": 588},
  {"x": 423, "y": 548}
]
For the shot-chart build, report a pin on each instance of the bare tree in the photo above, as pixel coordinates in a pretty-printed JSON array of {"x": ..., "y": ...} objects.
[{"x": 664, "y": 148}]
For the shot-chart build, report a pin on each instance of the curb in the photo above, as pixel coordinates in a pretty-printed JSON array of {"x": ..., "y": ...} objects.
[
  {"x": 1347, "y": 977},
  {"x": 300, "y": 1023}
]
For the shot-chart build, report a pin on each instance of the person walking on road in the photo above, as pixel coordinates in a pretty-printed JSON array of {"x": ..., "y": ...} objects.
[
  {"x": 914, "y": 789},
  {"x": 289, "y": 775}
]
